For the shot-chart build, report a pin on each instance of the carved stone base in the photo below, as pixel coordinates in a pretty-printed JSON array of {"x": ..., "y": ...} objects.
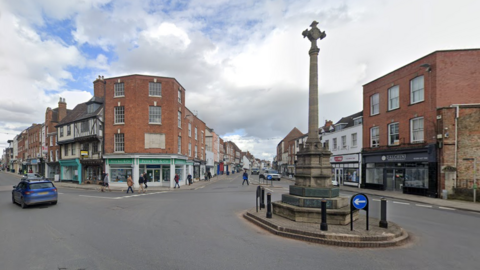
[
  {"x": 313, "y": 215},
  {"x": 332, "y": 203}
]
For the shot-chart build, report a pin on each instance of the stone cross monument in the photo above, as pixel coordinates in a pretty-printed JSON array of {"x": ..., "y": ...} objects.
[{"x": 313, "y": 170}]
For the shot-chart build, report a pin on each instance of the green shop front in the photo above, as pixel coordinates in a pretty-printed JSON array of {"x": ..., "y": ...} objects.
[
  {"x": 160, "y": 170},
  {"x": 70, "y": 170}
]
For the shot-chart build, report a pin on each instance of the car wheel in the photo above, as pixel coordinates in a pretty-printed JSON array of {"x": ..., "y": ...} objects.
[
  {"x": 22, "y": 204},
  {"x": 54, "y": 203}
]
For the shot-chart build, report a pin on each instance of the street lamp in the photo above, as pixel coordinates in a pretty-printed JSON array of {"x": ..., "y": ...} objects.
[{"x": 474, "y": 177}]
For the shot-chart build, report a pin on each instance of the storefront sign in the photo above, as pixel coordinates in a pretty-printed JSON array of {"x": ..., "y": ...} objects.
[
  {"x": 399, "y": 157},
  {"x": 154, "y": 161},
  {"x": 180, "y": 161},
  {"x": 34, "y": 161},
  {"x": 120, "y": 161},
  {"x": 344, "y": 158},
  {"x": 83, "y": 153}
]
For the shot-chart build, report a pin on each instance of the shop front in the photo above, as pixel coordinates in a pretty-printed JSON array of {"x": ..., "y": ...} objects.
[
  {"x": 53, "y": 171},
  {"x": 411, "y": 171},
  {"x": 160, "y": 170},
  {"x": 346, "y": 169},
  {"x": 92, "y": 170},
  {"x": 70, "y": 170}
]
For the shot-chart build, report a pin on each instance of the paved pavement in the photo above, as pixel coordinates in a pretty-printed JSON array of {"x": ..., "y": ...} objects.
[{"x": 455, "y": 204}]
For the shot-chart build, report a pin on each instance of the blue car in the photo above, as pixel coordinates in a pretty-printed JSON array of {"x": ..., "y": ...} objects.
[{"x": 34, "y": 192}]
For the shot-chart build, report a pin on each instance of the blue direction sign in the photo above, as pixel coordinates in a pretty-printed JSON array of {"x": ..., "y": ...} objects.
[
  {"x": 269, "y": 177},
  {"x": 359, "y": 201}
]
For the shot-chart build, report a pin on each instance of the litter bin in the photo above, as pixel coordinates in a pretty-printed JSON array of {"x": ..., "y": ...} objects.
[{"x": 445, "y": 194}]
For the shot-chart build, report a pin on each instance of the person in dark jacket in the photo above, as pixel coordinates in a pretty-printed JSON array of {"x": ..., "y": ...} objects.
[
  {"x": 245, "y": 178},
  {"x": 141, "y": 180},
  {"x": 189, "y": 179},
  {"x": 177, "y": 178}
]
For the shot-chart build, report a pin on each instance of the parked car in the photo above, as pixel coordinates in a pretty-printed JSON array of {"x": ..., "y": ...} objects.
[
  {"x": 275, "y": 175},
  {"x": 30, "y": 192},
  {"x": 255, "y": 171},
  {"x": 31, "y": 176}
]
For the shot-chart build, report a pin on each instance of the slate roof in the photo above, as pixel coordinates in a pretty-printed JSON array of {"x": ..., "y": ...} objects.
[{"x": 80, "y": 112}]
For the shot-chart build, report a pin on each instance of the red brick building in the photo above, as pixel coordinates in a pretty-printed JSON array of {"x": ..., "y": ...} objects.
[
  {"x": 52, "y": 118},
  {"x": 400, "y": 119},
  {"x": 146, "y": 129}
]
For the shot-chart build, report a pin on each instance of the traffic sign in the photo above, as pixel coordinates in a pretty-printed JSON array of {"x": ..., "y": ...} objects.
[
  {"x": 359, "y": 201},
  {"x": 269, "y": 177}
]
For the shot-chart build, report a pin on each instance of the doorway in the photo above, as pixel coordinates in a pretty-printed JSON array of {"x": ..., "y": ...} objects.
[
  {"x": 394, "y": 179},
  {"x": 339, "y": 175}
]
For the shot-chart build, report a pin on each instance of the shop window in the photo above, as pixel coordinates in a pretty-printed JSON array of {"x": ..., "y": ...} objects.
[
  {"x": 416, "y": 177},
  {"x": 120, "y": 174},
  {"x": 374, "y": 176}
]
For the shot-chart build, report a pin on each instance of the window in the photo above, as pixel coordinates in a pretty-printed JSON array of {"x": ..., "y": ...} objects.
[
  {"x": 179, "y": 95},
  {"x": 56, "y": 155},
  {"x": 189, "y": 130},
  {"x": 179, "y": 144},
  {"x": 374, "y": 104},
  {"x": 416, "y": 126},
  {"x": 344, "y": 142},
  {"x": 195, "y": 133},
  {"x": 179, "y": 119},
  {"x": 119, "y": 145},
  {"x": 84, "y": 126},
  {"x": 119, "y": 115},
  {"x": 154, "y": 115},
  {"x": 334, "y": 143},
  {"x": 154, "y": 89},
  {"x": 51, "y": 140},
  {"x": 201, "y": 137},
  {"x": 393, "y": 137},
  {"x": 95, "y": 148},
  {"x": 354, "y": 140},
  {"x": 51, "y": 156},
  {"x": 119, "y": 90},
  {"x": 73, "y": 149},
  {"x": 374, "y": 137},
  {"x": 393, "y": 99},
  {"x": 61, "y": 131},
  {"x": 189, "y": 149},
  {"x": 195, "y": 151},
  {"x": 326, "y": 144},
  {"x": 84, "y": 147},
  {"x": 416, "y": 90},
  {"x": 69, "y": 130}
]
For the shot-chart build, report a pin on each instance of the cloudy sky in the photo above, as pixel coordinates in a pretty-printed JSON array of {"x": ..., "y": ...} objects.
[{"x": 243, "y": 63}]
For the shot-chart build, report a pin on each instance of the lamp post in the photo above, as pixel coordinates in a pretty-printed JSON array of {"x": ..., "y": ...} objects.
[{"x": 474, "y": 177}]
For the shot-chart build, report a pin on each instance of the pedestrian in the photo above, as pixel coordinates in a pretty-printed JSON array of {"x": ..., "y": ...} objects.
[
  {"x": 176, "y": 181},
  {"x": 145, "y": 178},
  {"x": 105, "y": 183},
  {"x": 130, "y": 184},
  {"x": 245, "y": 178},
  {"x": 189, "y": 179},
  {"x": 141, "y": 180},
  {"x": 209, "y": 175}
]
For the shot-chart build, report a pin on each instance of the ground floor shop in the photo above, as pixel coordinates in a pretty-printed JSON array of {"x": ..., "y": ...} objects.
[
  {"x": 70, "y": 170},
  {"x": 160, "y": 169},
  {"x": 53, "y": 171},
  {"x": 412, "y": 171},
  {"x": 346, "y": 169}
]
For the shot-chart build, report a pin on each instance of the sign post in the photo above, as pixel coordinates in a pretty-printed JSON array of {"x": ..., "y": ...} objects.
[
  {"x": 269, "y": 177},
  {"x": 358, "y": 201}
]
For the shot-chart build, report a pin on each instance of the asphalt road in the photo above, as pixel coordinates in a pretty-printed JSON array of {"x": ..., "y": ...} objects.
[{"x": 203, "y": 229}]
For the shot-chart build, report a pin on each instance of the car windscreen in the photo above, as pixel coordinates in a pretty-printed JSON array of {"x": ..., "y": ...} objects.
[
  {"x": 41, "y": 185},
  {"x": 272, "y": 171}
]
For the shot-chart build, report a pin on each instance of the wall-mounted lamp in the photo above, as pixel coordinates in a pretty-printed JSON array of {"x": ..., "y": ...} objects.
[{"x": 427, "y": 67}]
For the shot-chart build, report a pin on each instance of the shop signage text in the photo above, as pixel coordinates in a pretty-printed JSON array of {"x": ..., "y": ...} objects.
[
  {"x": 120, "y": 161},
  {"x": 395, "y": 157},
  {"x": 154, "y": 161}
]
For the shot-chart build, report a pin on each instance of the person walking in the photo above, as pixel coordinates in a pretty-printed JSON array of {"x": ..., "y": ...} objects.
[
  {"x": 245, "y": 178},
  {"x": 177, "y": 178},
  {"x": 189, "y": 179},
  {"x": 141, "y": 180},
  {"x": 145, "y": 178},
  {"x": 105, "y": 183},
  {"x": 209, "y": 174},
  {"x": 130, "y": 184}
]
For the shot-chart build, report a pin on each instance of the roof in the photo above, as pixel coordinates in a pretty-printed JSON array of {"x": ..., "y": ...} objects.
[
  {"x": 348, "y": 120},
  {"x": 80, "y": 112}
]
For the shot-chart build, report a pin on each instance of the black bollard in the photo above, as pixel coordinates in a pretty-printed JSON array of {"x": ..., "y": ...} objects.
[
  {"x": 269, "y": 205},
  {"x": 383, "y": 214},
  {"x": 257, "y": 197},
  {"x": 262, "y": 201},
  {"x": 323, "y": 225}
]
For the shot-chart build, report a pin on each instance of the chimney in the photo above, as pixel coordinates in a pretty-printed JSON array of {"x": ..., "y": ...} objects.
[
  {"x": 62, "y": 109},
  {"x": 99, "y": 87}
]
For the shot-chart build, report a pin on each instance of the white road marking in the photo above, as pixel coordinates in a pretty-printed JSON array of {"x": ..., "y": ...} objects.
[
  {"x": 401, "y": 203},
  {"x": 424, "y": 205},
  {"x": 446, "y": 208},
  {"x": 113, "y": 198},
  {"x": 199, "y": 187}
]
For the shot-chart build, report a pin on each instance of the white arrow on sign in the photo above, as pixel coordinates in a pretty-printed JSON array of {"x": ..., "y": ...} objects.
[{"x": 358, "y": 201}]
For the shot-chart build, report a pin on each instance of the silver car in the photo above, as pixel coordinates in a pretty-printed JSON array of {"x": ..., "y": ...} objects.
[{"x": 273, "y": 173}]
